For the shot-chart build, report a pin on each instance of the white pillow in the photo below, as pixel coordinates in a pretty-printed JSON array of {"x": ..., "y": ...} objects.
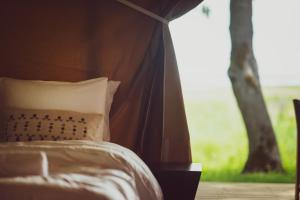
[
  {"x": 85, "y": 96},
  {"x": 112, "y": 88}
]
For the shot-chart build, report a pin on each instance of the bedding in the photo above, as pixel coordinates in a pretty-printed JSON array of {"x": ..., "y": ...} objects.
[
  {"x": 82, "y": 170},
  {"x": 89, "y": 96},
  {"x": 32, "y": 162},
  {"x": 30, "y": 125},
  {"x": 112, "y": 89},
  {"x": 86, "y": 96}
]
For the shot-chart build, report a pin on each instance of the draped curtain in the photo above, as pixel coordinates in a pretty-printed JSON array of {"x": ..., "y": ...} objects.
[{"x": 71, "y": 40}]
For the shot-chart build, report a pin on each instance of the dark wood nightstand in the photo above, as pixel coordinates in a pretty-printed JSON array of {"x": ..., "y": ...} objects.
[{"x": 178, "y": 181}]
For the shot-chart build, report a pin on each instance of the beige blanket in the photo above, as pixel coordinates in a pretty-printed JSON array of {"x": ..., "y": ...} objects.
[
  {"x": 81, "y": 170},
  {"x": 33, "y": 163}
]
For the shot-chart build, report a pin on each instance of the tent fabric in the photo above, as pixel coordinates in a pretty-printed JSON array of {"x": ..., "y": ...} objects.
[
  {"x": 72, "y": 40},
  {"x": 143, "y": 10}
]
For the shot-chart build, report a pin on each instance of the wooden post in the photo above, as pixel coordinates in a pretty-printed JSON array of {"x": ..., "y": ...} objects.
[{"x": 297, "y": 112}]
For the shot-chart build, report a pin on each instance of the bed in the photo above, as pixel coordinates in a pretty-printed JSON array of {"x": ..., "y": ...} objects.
[
  {"x": 80, "y": 170},
  {"x": 55, "y": 144}
]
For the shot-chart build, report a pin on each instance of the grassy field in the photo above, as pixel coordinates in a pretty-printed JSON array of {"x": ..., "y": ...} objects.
[{"x": 219, "y": 140}]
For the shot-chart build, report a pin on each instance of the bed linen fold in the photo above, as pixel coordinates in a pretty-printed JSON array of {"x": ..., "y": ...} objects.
[
  {"x": 19, "y": 163},
  {"x": 82, "y": 170}
]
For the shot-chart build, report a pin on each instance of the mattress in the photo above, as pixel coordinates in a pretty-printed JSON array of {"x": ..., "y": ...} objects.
[{"x": 80, "y": 170}]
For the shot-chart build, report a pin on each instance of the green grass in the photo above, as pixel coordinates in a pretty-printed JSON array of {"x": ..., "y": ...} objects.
[{"x": 219, "y": 139}]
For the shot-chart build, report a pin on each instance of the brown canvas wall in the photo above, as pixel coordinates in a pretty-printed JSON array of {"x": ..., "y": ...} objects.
[{"x": 71, "y": 40}]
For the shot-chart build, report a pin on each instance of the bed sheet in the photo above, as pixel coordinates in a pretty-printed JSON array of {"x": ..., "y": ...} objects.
[{"x": 82, "y": 170}]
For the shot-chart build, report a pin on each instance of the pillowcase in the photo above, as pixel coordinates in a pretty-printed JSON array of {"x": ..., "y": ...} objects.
[
  {"x": 112, "y": 89},
  {"x": 30, "y": 125},
  {"x": 85, "y": 96}
]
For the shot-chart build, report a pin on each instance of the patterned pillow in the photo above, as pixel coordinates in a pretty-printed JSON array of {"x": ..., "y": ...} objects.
[
  {"x": 85, "y": 96},
  {"x": 29, "y": 125}
]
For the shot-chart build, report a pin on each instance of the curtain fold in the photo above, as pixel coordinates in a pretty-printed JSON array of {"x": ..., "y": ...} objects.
[
  {"x": 175, "y": 129},
  {"x": 174, "y": 138}
]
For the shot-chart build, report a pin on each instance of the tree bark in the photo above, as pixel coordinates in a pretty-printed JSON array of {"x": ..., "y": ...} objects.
[{"x": 243, "y": 73}]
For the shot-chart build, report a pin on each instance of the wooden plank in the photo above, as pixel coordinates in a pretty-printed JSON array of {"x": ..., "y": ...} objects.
[{"x": 245, "y": 191}]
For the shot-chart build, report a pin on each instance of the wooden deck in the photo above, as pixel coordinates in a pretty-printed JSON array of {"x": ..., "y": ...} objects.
[{"x": 244, "y": 191}]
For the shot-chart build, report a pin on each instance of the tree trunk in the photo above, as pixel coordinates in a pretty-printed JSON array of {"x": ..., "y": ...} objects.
[{"x": 263, "y": 150}]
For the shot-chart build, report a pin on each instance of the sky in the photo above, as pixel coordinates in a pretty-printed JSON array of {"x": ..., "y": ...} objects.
[{"x": 202, "y": 44}]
